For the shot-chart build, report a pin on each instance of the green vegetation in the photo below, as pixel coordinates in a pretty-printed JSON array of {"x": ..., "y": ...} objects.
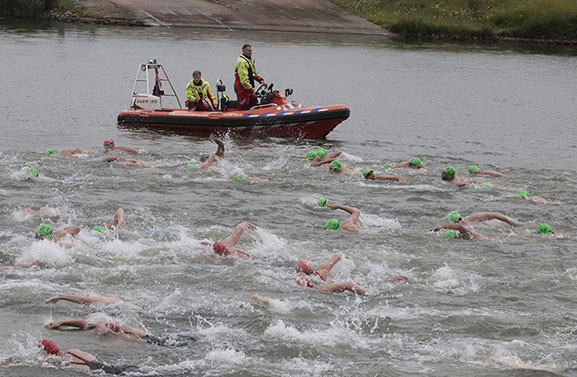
[
  {"x": 490, "y": 19},
  {"x": 32, "y": 8}
]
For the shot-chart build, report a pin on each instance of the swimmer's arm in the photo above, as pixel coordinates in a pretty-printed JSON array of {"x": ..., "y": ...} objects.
[
  {"x": 467, "y": 233},
  {"x": 72, "y": 230},
  {"x": 492, "y": 173},
  {"x": 118, "y": 221},
  {"x": 324, "y": 268},
  {"x": 78, "y": 323},
  {"x": 206, "y": 164},
  {"x": 355, "y": 213},
  {"x": 401, "y": 165},
  {"x": 498, "y": 216},
  {"x": 231, "y": 240},
  {"x": 220, "y": 149},
  {"x": 322, "y": 162},
  {"x": 83, "y": 299},
  {"x": 389, "y": 177},
  {"x": 342, "y": 287},
  {"x": 128, "y": 150},
  {"x": 446, "y": 226}
]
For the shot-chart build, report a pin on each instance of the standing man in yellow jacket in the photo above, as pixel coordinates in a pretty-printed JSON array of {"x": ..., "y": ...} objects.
[
  {"x": 244, "y": 77},
  {"x": 199, "y": 95}
]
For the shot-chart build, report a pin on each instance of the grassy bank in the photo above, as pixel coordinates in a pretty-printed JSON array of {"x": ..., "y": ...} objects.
[
  {"x": 466, "y": 19},
  {"x": 32, "y": 8}
]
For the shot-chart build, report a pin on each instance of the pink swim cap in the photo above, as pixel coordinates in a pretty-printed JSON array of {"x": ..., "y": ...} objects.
[
  {"x": 303, "y": 266},
  {"x": 49, "y": 346},
  {"x": 306, "y": 282},
  {"x": 108, "y": 141},
  {"x": 220, "y": 248}
]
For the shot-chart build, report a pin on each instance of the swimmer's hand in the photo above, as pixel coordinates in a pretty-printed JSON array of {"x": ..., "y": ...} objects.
[{"x": 249, "y": 225}]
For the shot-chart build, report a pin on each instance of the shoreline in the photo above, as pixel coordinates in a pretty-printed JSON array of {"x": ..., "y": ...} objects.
[{"x": 300, "y": 17}]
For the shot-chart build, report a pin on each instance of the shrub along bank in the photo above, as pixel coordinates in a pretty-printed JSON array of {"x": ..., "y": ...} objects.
[
  {"x": 32, "y": 8},
  {"x": 471, "y": 19}
]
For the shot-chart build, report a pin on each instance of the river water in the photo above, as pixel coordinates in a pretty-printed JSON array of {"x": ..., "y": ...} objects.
[{"x": 498, "y": 307}]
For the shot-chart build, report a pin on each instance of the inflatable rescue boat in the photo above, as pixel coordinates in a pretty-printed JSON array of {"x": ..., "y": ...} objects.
[{"x": 273, "y": 116}]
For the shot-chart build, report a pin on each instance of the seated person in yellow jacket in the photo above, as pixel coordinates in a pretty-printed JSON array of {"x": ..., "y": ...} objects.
[{"x": 199, "y": 95}]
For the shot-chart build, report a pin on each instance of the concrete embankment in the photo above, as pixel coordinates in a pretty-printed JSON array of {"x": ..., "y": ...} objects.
[{"x": 276, "y": 15}]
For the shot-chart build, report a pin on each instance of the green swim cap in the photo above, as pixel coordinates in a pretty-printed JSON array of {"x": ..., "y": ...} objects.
[
  {"x": 450, "y": 234},
  {"x": 45, "y": 230},
  {"x": 190, "y": 166},
  {"x": 387, "y": 165},
  {"x": 204, "y": 155},
  {"x": 524, "y": 193},
  {"x": 322, "y": 202},
  {"x": 454, "y": 215},
  {"x": 473, "y": 169},
  {"x": 543, "y": 229},
  {"x": 311, "y": 155},
  {"x": 32, "y": 171},
  {"x": 321, "y": 152},
  {"x": 49, "y": 151},
  {"x": 99, "y": 228},
  {"x": 333, "y": 224},
  {"x": 450, "y": 171},
  {"x": 415, "y": 161},
  {"x": 335, "y": 164},
  {"x": 486, "y": 184},
  {"x": 237, "y": 177},
  {"x": 366, "y": 172}
]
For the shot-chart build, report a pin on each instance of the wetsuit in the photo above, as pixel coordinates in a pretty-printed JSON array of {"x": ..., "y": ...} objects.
[{"x": 97, "y": 365}]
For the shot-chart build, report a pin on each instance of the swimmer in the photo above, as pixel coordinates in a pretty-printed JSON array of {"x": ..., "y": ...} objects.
[
  {"x": 335, "y": 166},
  {"x": 66, "y": 152},
  {"x": 45, "y": 231},
  {"x": 480, "y": 217},
  {"x": 413, "y": 163},
  {"x": 83, "y": 360},
  {"x": 546, "y": 231},
  {"x": 370, "y": 174},
  {"x": 32, "y": 173},
  {"x": 128, "y": 161},
  {"x": 126, "y": 333},
  {"x": 323, "y": 270},
  {"x": 239, "y": 177},
  {"x": 226, "y": 247},
  {"x": 84, "y": 299},
  {"x": 118, "y": 220},
  {"x": 448, "y": 175},
  {"x": 475, "y": 170},
  {"x": 320, "y": 154},
  {"x": 459, "y": 231},
  {"x": 335, "y": 287},
  {"x": 110, "y": 146},
  {"x": 349, "y": 224},
  {"x": 49, "y": 211},
  {"x": 2, "y": 269},
  {"x": 524, "y": 195},
  {"x": 208, "y": 159},
  {"x": 260, "y": 302}
]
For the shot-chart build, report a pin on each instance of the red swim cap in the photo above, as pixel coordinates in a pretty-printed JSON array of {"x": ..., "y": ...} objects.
[
  {"x": 399, "y": 277},
  {"x": 306, "y": 282},
  {"x": 49, "y": 346},
  {"x": 303, "y": 266},
  {"x": 220, "y": 248},
  {"x": 108, "y": 141}
]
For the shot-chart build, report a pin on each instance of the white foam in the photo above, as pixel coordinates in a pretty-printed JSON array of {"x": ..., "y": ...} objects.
[
  {"x": 46, "y": 252},
  {"x": 445, "y": 279},
  {"x": 337, "y": 334},
  {"x": 227, "y": 356}
]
